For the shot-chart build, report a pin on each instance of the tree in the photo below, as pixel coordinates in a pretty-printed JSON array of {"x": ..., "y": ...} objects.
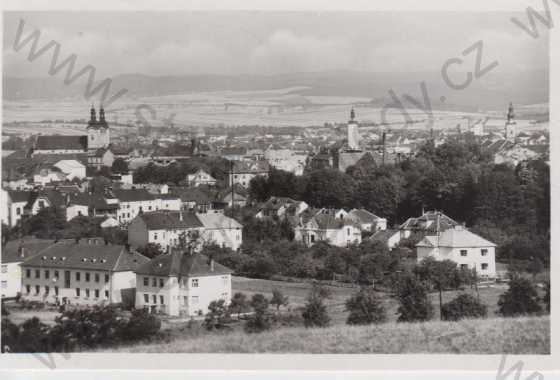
[
  {"x": 151, "y": 250},
  {"x": 278, "y": 299},
  {"x": 463, "y": 306},
  {"x": 217, "y": 316},
  {"x": 414, "y": 303},
  {"x": 521, "y": 298},
  {"x": 315, "y": 312},
  {"x": 239, "y": 304},
  {"x": 120, "y": 166},
  {"x": 441, "y": 274},
  {"x": 260, "y": 320},
  {"x": 365, "y": 308}
]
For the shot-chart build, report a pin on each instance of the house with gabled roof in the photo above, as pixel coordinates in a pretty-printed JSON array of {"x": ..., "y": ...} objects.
[
  {"x": 221, "y": 230},
  {"x": 200, "y": 177},
  {"x": 458, "y": 244},
  {"x": 84, "y": 272},
  {"x": 182, "y": 284},
  {"x": 277, "y": 207},
  {"x": 368, "y": 221},
  {"x": 339, "y": 231},
  {"x": 244, "y": 171},
  {"x": 15, "y": 203},
  {"x": 134, "y": 201}
]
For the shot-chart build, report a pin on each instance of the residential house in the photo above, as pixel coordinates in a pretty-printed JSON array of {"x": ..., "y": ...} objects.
[
  {"x": 390, "y": 237},
  {"x": 92, "y": 205},
  {"x": 182, "y": 284},
  {"x": 14, "y": 253},
  {"x": 102, "y": 157},
  {"x": 368, "y": 221},
  {"x": 278, "y": 207},
  {"x": 461, "y": 246},
  {"x": 73, "y": 169},
  {"x": 44, "y": 199},
  {"x": 166, "y": 228},
  {"x": 13, "y": 204},
  {"x": 87, "y": 272},
  {"x": 200, "y": 177},
  {"x": 221, "y": 230},
  {"x": 326, "y": 227},
  {"x": 193, "y": 199},
  {"x": 244, "y": 171},
  {"x": 134, "y": 201}
]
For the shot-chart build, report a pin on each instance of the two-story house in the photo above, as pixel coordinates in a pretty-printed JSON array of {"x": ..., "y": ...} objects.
[
  {"x": 200, "y": 177},
  {"x": 134, "y": 201},
  {"x": 181, "y": 284},
  {"x": 341, "y": 232}
]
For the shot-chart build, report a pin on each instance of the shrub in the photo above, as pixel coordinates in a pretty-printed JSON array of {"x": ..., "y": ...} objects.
[
  {"x": 278, "y": 299},
  {"x": 260, "y": 320},
  {"x": 414, "y": 302},
  {"x": 463, "y": 306},
  {"x": 315, "y": 312},
  {"x": 141, "y": 325},
  {"x": 239, "y": 304},
  {"x": 521, "y": 298},
  {"x": 365, "y": 308},
  {"x": 217, "y": 315}
]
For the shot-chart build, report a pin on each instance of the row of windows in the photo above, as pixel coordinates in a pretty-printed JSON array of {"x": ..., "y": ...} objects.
[
  {"x": 154, "y": 299},
  {"x": 38, "y": 290},
  {"x": 88, "y": 293},
  {"x": 154, "y": 282},
  {"x": 483, "y": 252},
  {"x": 483, "y": 266},
  {"x": 78, "y": 275}
]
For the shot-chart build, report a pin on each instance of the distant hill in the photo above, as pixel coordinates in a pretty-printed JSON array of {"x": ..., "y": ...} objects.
[{"x": 490, "y": 92}]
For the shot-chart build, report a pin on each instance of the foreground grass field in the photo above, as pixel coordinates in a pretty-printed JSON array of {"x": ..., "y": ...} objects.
[{"x": 528, "y": 335}]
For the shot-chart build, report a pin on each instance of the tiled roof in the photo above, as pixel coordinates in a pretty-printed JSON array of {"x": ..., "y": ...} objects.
[
  {"x": 61, "y": 143},
  {"x": 88, "y": 254},
  {"x": 383, "y": 235},
  {"x": 458, "y": 237},
  {"x": 428, "y": 222},
  {"x": 182, "y": 264},
  {"x": 95, "y": 201},
  {"x": 19, "y": 195},
  {"x": 133, "y": 195},
  {"x": 11, "y": 252},
  {"x": 329, "y": 222},
  {"x": 191, "y": 195},
  {"x": 364, "y": 216},
  {"x": 162, "y": 220},
  {"x": 218, "y": 221}
]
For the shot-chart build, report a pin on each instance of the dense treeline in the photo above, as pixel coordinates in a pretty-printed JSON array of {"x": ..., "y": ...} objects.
[{"x": 507, "y": 205}]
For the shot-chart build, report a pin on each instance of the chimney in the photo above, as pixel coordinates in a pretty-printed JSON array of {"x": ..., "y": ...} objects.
[
  {"x": 21, "y": 251},
  {"x": 181, "y": 216},
  {"x": 211, "y": 265}
]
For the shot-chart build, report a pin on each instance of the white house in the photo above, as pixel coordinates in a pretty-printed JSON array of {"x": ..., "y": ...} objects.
[
  {"x": 13, "y": 205},
  {"x": 460, "y": 245},
  {"x": 245, "y": 171},
  {"x": 367, "y": 220},
  {"x": 200, "y": 177},
  {"x": 165, "y": 228},
  {"x": 341, "y": 232},
  {"x": 72, "y": 169},
  {"x": 221, "y": 230},
  {"x": 87, "y": 272},
  {"x": 181, "y": 284},
  {"x": 14, "y": 253},
  {"x": 134, "y": 201},
  {"x": 277, "y": 207}
]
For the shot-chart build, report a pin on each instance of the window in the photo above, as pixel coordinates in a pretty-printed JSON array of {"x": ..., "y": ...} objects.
[
  {"x": 87, "y": 293},
  {"x": 47, "y": 290},
  {"x": 56, "y": 290},
  {"x": 146, "y": 281},
  {"x": 106, "y": 294},
  {"x": 41, "y": 204},
  {"x": 18, "y": 211},
  {"x": 28, "y": 273},
  {"x": 484, "y": 252},
  {"x": 27, "y": 289},
  {"x": 56, "y": 275},
  {"x": 37, "y": 289},
  {"x": 225, "y": 280},
  {"x": 312, "y": 238},
  {"x": 155, "y": 235},
  {"x": 4, "y": 268},
  {"x": 97, "y": 277},
  {"x": 87, "y": 276},
  {"x": 161, "y": 282},
  {"x": 464, "y": 266},
  {"x": 37, "y": 273},
  {"x": 484, "y": 266},
  {"x": 77, "y": 292},
  {"x": 154, "y": 282},
  {"x": 47, "y": 274},
  {"x": 96, "y": 293},
  {"x": 146, "y": 298},
  {"x": 154, "y": 299},
  {"x": 194, "y": 283},
  {"x": 78, "y": 274},
  {"x": 106, "y": 278},
  {"x": 161, "y": 299},
  {"x": 348, "y": 231},
  {"x": 463, "y": 252}
]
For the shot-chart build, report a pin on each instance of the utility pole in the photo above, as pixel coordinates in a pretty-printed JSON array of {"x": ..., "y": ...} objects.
[
  {"x": 383, "y": 140},
  {"x": 232, "y": 192}
]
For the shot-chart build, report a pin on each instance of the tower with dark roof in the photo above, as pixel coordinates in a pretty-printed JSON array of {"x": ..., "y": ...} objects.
[
  {"x": 511, "y": 126},
  {"x": 97, "y": 130}
]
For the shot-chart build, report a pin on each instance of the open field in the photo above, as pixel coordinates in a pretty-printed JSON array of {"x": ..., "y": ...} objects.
[
  {"x": 297, "y": 293},
  {"x": 528, "y": 335}
]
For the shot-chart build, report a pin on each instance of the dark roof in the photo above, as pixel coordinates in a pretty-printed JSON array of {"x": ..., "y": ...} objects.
[
  {"x": 383, "y": 235},
  {"x": 191, "y": 195},
  {"x": 133, "y": 195},
  {"x": 250, "y": 166},
  {"x": 61, "y": 142},
  {"x": 53, "y": 158},
  {"x": 364, "y": 215},
  {"x": 19, "y": 195},
  {"x": 160, "y": 220},
  {"x": 181, "y": 264},
  {"x": 234, "y": 150},
  {"x": 428, "y": 222},
  {"x": 54, "y": 197},
  {"x": 11, "y": 252},
  {"x": 95, "y": 201},
  {"x": 328, "y": 222},
  {"x": 90, "y": 254}
]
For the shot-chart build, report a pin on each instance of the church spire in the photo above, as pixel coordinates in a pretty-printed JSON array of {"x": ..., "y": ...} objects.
[
  {"x": 92, "y": 118},
  {"x": 510, "y": 114},
  {"x": 101, "y": 114},
  {"x": 352, "y": 114}
]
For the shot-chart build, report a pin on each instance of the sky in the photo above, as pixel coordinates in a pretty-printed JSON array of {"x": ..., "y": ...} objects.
[{"x": 266, "y": 43}]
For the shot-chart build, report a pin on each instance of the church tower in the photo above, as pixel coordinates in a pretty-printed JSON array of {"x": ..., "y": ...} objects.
[
  {"x": 511, "y": 125},
  {"x": 352, "y": 130},
  {"x": 97, "y": 130}
]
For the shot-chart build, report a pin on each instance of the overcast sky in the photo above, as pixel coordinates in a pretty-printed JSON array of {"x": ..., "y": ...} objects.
[{"x": 171, "y": 43}]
